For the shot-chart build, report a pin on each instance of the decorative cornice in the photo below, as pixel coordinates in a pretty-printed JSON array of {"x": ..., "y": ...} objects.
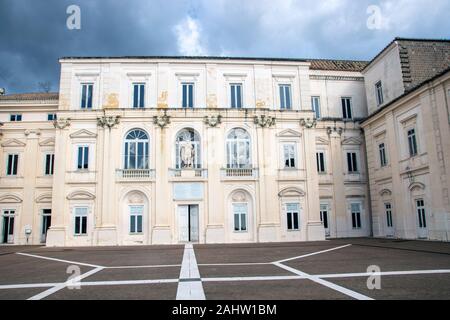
[
  {"x": 213, "y": 121},
  {"x": 108, "y": 122},
  {"x": 308, "y": 123},
  {"x": 161, "y": 121},
  {"x": 61, "y": 123},
  {"x": 264, "y": 121},
  {"x": 335, "y": 78}
]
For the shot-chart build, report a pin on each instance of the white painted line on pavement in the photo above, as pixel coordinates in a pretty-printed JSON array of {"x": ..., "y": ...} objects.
[
  {"x": 59, "y": 260},
  {"x": 384, "y": 273},
  {"x": 148, "y": 266},
  {"x": 312, "y": 254},
  {"x": 190, "y": 290}
]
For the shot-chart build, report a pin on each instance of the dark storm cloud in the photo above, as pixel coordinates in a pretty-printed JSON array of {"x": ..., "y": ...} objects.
[{"x": 33, "y": 33}]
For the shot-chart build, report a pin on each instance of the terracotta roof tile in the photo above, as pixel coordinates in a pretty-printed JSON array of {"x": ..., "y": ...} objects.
[{"x": 32, "y": 96}]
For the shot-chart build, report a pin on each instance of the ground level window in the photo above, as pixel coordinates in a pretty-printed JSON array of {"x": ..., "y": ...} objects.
[
  {"x": 240, "y": 216},
  {"x": 388, "y": 208},
  {"x": 81, "y": 221},
  {"x": 324, "y": 215},
  {"x": 8, "y": 226},
  {"x": 136, "y": 213},
  {"x": 421, "y": 213},
  {"x": 292, "y": 214},
  {"x": 356, "y": 215}
]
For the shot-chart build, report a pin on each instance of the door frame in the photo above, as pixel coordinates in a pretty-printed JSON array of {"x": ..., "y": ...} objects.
[
  {"x": 177, "y": 219},
  {"x": 328, "y": 229},
  {"x": 422, "y": 233},
  {"x": 4, "y": 217}
]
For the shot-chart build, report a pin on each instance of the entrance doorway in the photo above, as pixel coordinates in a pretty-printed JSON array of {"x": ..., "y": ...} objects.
[
  {"x": 422, "y": 231},
  {"x": 188, "y": 223},
  {"x": 8, "y": 226},
  {"x": 46, "y": 223},
  {"x": 324, "y": 217}
]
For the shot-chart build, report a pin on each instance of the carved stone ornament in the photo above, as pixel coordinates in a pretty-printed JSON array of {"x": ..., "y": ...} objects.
[
  {"x": 61, "y": 123},
  {"x": 161, "y": 121},
  {"x": 308, "y": 123},
  {"x": 109, "y": 122},
  {"x": 264, "y": 121},
  {"x": 338, "y": 130},
  {"x": 213, "y": 121}
]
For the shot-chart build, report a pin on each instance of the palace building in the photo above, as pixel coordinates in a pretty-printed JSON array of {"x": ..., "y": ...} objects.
[{"x": 167, "y": 150}]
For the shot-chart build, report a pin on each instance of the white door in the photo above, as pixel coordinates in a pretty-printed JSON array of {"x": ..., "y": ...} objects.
[
  {"x": 183, "y": 223},
  {"x": 8, "y": 229},
  {"x": 193, "y": 223},
  {"x": 390, "y": 232},
  {"x": 324, "y": 217},
  {"x": 421, "y": 218}
]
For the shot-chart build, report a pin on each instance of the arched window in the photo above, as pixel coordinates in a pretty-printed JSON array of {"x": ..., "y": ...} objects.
[
  {"x": 136, "y": 150},
  {"x": 187, "y": 150},
  {"x": 238, "y": 149}
]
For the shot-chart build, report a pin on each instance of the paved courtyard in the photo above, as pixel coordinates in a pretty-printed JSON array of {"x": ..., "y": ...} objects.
[{"x": 336, "y": 269}]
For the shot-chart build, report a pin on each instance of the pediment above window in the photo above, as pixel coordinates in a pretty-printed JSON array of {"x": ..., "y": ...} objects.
[
  {"x": 80, "y": 195},
  {"x": 322, "y": 141},
  {"x": 351, "y": 141},
  {"x": 83, "y": 133},
  {"x": 50, "y": 142},
  {"x": 13, "y": 143},
  {"x": 10, "y": 198},
  {"x": 292, "y": 192},
  {"x": 44, "y": 198},
  {"x": 385, "y": 192},
  {"x": 289, "y": 133}
]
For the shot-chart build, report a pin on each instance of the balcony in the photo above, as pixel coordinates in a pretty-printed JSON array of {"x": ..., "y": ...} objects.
[
  {"x": 135, "y": 174},
  {"x": 239, "y": 173},
  {"x": 188, "y": 173}
]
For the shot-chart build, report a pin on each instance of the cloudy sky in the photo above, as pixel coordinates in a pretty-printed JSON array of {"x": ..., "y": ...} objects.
[{"x": 34, "y": 33}]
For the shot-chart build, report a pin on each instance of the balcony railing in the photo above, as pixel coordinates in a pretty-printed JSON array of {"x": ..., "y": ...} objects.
[
  {"x": 188, "y": 173},
  {"x": 240, "y": 173},
  {"x": 135, "y": 174}
]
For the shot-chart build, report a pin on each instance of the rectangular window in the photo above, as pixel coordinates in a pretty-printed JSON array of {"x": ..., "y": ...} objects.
[
  {"x": 86, "y": 95},
  {"x": 240, "y": 216},
  {"x": 188, "y": 95},
  {"x": 324, "y": 215},
  {"x": 421, "y": 213},
  {"x": 81, "y": 214},
  {"x": 289, "y": 155},
  {"x": 12, "y": 164},
  {"x": 346, "y": 108},
  {"x": 379, "y": 93},
  {"x": 236, "y": 95},
  {"x": 83, "y": 157},
  {"x": 49, "y": 164},
  {"x": 383, "y": 158},
  {"x": 285, "y": 97},
  {"x": 352, "y": 164},
  {"x": 292, "y": 215},
  {"x": 138, "y": 95},
  {"x": 388, "y": 209},
  {"x": 51, "y": 117},
  {"x": 412, "y": 142},
  {"x": 15, "y": 117},
  {"x": 356, "y": 215},
  {"x": 315, "y": 102},
  {"x": 136, "y": 213},
  {"x": 320, "y": 158}
]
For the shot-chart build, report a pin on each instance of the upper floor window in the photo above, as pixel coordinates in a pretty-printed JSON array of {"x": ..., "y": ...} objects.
[
  {"x": 12, "y": 164},
  {"x": 187, "y": 150},
  {"x": 289, "y": 152},
  {"x": 83, "y": 157},
  {"x": 292, "y": 215},
  {"x": 138, "y": 95},
  {"x": 346, "y": 108},
  {"x": 320, "y": 158},
  {"x": 412, "y": 142},
  {"x": 356, "y": 215},
  {"x": 379, "y": 93},
  {"x": 15, "y": 117},
  {"x": 49, "y": 164},
  {"x": 86, "y": 95},
  {"x": 238, "y": 149},
  {"x": 315, "y": 102},
  {"x": 382, "y": 151},
  {"x": 236, "y": 95},
  {"x": 285, "y": 97},
  {"x": 51, "y": 116},
  {"x": 188, "y": 95},
  {"x": 136, "y": 150},
  {"x": 352, "y": 164}
]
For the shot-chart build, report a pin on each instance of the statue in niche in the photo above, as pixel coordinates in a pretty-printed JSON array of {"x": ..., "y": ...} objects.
[{"x": 187, "y": 154}]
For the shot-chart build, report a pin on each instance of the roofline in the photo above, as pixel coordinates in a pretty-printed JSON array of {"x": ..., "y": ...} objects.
[
  {"x": 406, "y": 94},
  {"x": 401, "y": 39}
]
